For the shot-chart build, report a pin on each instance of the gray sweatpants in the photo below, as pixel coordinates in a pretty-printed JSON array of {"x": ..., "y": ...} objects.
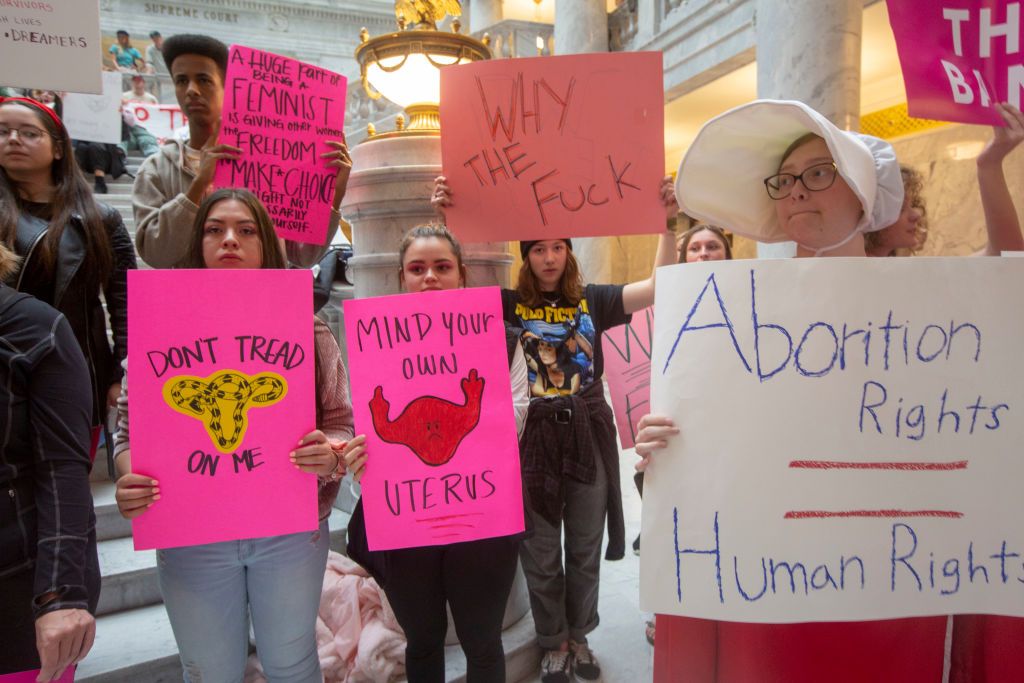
[{"x": 564, "y": 598}]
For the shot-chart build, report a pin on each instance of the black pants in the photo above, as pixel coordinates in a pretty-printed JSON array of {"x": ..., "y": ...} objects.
[
  {"x": 475, "y": 579},
  {"x": 17, "y": 627}
]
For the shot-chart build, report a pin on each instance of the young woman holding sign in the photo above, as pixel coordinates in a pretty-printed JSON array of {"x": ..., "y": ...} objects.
[
  {"x": 210, "y": 590},
  {"x": 800, "y": 178},
  {"x": 568, "y": 448},
  {"x": 473, "y": 578},
  {"x": 73, "y": 248}
]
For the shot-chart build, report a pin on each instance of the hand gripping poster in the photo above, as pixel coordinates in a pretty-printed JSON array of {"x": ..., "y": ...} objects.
[
  {"x": 221, "y": 377},
  {"x": 431, "y": 391}
]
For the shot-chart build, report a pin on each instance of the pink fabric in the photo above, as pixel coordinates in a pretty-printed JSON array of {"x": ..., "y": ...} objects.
[{"x": 357, "y": 636}]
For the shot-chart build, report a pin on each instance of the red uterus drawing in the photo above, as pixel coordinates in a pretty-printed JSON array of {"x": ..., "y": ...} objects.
[{"x": 431, "y": 427}]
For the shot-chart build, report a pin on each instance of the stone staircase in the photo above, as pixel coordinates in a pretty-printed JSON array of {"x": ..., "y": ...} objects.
[{"x": 134, "y": 642}]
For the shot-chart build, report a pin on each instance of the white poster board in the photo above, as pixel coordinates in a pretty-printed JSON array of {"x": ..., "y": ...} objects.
[
  {"x": 51, "y": 45},
  {"x": 96, "y": 118},
  {"x": 161, "y": 120},
  {"x": 851, "y": 444}
]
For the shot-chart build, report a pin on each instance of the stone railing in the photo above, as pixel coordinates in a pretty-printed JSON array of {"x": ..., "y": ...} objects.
[
  {"x": 514, "y": 38},
  {"x": 622, "y": 26}
]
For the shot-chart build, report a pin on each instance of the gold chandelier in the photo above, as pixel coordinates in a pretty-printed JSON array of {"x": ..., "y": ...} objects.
[{"x": 404, "y": 66}]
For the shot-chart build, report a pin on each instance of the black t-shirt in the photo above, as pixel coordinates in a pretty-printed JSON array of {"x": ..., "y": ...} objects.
[{"x": 562, "y": 342}]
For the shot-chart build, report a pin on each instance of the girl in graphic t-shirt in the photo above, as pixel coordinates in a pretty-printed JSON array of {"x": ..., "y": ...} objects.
[{"x": 568, "y": 448}]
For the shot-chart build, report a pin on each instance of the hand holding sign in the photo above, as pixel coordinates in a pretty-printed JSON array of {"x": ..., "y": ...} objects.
[
  {"x": 1005, "y": 138},
  {"x": 209, "y": 155},
  {"x": 63, "y": 638}
]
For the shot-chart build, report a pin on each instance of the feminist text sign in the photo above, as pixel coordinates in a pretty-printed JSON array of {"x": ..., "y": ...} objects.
[
  {"x": 52, "y": 45},
  {"x": 959, "y": 58},
  {"x": 281, "y": 112},
  {"x": 431, "y": 391},
  {"x": 217, "y": 405},
  {"x": 850, "y": 441},
  {"x": 565, "y": 146},
  {"x": 627, "y": 367}
]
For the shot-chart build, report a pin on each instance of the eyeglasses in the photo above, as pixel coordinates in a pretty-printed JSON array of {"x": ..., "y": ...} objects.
[
  {"x": 815, "y": 178},
  {"x": 30, "y": 135}
]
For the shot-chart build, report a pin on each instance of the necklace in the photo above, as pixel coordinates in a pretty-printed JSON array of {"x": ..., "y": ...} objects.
[{"x": 550, "y": 302}]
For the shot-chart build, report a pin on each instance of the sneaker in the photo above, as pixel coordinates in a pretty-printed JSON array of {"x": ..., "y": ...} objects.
[
  {"x": 556, "y": 667},
  {"x": 100, "y": 186},
  {"x": 584, "y": 663}
]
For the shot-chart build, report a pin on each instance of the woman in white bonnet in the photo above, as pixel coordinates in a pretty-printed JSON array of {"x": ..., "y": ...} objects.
[{"x": 776, "y": 171}]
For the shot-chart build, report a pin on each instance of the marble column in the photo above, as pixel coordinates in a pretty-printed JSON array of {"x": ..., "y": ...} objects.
[
  {"x": 582, "y": 26},
  {"x": 484, "y": 14},
  {"x": 388, "y": 193},
  {"x": 810, "y": 51}
]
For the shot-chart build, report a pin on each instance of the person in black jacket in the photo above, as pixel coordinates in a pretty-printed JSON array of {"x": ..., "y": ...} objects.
[
  {"x": 49, "y": 573},
  {"x": 72, "y": 247}
]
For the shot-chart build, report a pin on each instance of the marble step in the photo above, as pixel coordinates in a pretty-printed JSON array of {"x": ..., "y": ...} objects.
[
  {"x": 109, "y": 522},
  {"x": 129, "y": 577},
  {"x": 132, "y": 646}
]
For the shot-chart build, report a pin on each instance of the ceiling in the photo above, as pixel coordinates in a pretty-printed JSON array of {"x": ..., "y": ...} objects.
[{"x": 881, "y": 87}]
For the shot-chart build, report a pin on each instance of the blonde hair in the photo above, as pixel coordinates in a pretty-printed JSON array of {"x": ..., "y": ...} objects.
[{"x": 8, "y": 262}]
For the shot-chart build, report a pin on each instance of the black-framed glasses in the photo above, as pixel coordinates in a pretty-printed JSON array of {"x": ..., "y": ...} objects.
[{"x": 815, "y": 178}]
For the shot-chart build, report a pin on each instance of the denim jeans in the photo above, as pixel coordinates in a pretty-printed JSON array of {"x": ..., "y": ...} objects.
[
  {"x": 211, "y": 590},
  {"x": 563, "y": 599}
]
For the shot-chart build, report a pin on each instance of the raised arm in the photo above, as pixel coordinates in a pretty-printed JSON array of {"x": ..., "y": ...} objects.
[
  {"x": 639, "y": 295},
  {"x": 1001, "y": 220}
]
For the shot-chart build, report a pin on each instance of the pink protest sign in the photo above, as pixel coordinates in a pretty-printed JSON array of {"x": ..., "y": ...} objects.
[
  {"x": 554, "y": 146},
  {"x": 627, "y": 367},
  {"x": 959, "y": 58},
  {"x": 30, "y": 676},
  {"x": 220, "y": 368},
  {"x": 281, "y": 112},
  {"x": 431, "y": 391}
]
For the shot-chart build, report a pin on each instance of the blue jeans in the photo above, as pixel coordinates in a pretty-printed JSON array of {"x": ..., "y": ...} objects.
[{"x": 210, "y": 590}]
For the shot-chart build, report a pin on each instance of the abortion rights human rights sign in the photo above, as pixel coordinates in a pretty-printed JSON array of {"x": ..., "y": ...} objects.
[{"x": 850, "y": 440}]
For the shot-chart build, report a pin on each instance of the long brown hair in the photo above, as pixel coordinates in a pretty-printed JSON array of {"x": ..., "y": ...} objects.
[
  {"x": 570, "y": 285},
  {"x": 270, "y": 248},
  {"x": 72, "y": 199}
]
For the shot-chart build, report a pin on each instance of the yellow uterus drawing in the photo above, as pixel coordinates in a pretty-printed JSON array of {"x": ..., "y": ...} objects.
[{"x": 222, "y": 401}]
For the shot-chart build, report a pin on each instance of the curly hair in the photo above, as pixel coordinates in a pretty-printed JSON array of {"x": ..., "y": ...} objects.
[
  {"x": 913, "y": 190},
  {"x": 195, "y": 44}
]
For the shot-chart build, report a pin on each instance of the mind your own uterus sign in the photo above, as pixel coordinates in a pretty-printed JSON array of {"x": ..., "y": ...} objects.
[
  {"x": 431, "y": 391},
  {"x": 959, "y": 57},
  {"x": 850, "y": 441}
]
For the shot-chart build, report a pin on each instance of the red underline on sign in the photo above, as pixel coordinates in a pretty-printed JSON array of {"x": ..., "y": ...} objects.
[
  {"x": 904, "y": 466},
  {"x": 825, "y": 514},
  {"x": 447, "y": 517},
  {"x": 448, "y": 536},
  {"x": 453, "y": 526}
]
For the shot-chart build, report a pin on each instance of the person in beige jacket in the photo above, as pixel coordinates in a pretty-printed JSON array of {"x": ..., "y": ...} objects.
[{"x": 171, "y": 184}]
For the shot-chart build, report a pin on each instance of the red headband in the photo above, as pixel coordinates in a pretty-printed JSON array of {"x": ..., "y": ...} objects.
[{"x": 38, "y": 105}]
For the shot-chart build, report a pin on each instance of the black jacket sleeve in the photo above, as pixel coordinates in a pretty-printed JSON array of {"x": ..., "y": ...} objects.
[
  {"x": 115, "y": 290},
  {"x": 60, "y": 408}
]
